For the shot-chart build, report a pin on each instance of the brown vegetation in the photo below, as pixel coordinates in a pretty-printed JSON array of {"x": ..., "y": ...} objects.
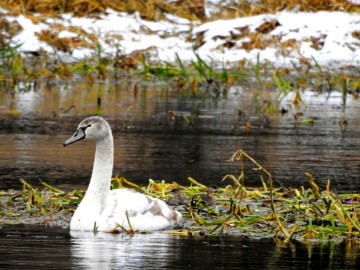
[
  {"x": 248, "y": 8},
  {"x": 148, "y": 9},
  {"x": 191, "y": 9}
]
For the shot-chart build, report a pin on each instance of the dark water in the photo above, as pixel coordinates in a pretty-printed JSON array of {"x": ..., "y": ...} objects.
[
  {"x": 152, "y": 143},
  {"x": 26, "y": 248},
  {"x": 140, "y": 157}
]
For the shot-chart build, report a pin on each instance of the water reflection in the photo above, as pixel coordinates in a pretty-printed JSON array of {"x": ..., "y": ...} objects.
[
  {"x": 106, "y": 251},
  {"x": 162, "y": 251},
  {"x": 140, "y": 157},
  {"x": 53, "y": 248},
  {"x": 196, "y": 140}
]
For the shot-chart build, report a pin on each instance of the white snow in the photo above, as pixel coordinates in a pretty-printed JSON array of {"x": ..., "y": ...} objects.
[{"x": 129, "y": 33}]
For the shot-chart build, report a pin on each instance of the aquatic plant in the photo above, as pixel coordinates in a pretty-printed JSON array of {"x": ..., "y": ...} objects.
[
  {"x": 270, "y": 210},
  {"x": 256, "y": 68},
  {"x": 11, "y": 65},
  {"x": 197, "y": 77}
]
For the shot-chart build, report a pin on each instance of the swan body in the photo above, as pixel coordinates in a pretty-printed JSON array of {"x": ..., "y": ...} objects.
[{"x": 108, "y": 210}]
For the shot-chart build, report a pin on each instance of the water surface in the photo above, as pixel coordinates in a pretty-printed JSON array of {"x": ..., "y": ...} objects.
[
  {"x": 163, "y": 134},
  {"x": 44, "y": 248}
]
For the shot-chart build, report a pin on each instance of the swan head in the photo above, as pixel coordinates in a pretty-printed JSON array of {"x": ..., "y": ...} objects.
[{"x": 95, "y": 128}]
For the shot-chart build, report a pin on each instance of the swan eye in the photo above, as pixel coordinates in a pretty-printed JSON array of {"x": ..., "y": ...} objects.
[{"x": 84, "y": 128}]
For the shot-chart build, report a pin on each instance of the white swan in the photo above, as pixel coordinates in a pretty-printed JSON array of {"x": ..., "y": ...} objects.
[{"x": 107, "y": 210}]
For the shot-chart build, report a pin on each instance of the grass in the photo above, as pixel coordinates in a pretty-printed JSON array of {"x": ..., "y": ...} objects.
[
  {"x": 197, "y": 78},
  {"x": 153, "y": 9},
  {"x": 270, "y": 210},
  {"x": 148, "y": 9},
  {"x": 200, "y": 77}
]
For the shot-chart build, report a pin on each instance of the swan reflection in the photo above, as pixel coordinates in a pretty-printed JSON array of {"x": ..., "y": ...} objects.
[{"x": 115, "y": 251}]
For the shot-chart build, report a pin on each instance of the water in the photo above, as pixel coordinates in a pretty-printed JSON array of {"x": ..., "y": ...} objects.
[
  {"x": 162, "y": 134},
  {"x": 152, "y": 143},
  {"x": 42, "y": 248}
]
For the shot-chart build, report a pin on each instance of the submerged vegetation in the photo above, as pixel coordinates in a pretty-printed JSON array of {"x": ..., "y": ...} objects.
[{"x": 270, "y": 210}]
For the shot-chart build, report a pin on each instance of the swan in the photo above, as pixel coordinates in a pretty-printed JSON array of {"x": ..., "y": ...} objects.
[{"x": 108, "y": 210}]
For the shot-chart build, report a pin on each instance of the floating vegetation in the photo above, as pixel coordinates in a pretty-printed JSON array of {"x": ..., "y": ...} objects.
[{"x": 270, "y": 210}]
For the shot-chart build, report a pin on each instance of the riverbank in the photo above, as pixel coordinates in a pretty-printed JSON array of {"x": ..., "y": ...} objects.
[{"x": 290, "y": 37}]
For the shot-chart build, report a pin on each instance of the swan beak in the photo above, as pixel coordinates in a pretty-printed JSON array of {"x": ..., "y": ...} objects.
[{"x": 78, "y": 135}]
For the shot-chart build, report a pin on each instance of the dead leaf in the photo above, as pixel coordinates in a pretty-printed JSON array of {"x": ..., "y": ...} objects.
[{"x": 267, "y": 27}]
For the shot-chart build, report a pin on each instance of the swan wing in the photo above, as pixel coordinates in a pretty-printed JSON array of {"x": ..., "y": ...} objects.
[{"x": 127, "y": 209}]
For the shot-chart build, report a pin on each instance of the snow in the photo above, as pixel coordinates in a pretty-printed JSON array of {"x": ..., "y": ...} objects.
[
  {"x": 332, "y": 33},
  {"x": 337, "y": 26}
]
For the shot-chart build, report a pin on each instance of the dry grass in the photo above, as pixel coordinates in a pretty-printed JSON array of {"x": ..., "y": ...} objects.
[
  {"x": 148, "y": 9},
  {"x": 247, "y": 8},
  {"x": 191, "y": 9}
]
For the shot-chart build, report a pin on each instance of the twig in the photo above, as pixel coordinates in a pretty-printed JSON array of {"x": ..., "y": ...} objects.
[
  {"x": 237, "y": 155},
  {"x": 131, "y": 231}
]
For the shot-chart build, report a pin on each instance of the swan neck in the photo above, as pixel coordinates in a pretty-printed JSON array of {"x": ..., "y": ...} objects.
[{"x": 100, "y": 182}]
